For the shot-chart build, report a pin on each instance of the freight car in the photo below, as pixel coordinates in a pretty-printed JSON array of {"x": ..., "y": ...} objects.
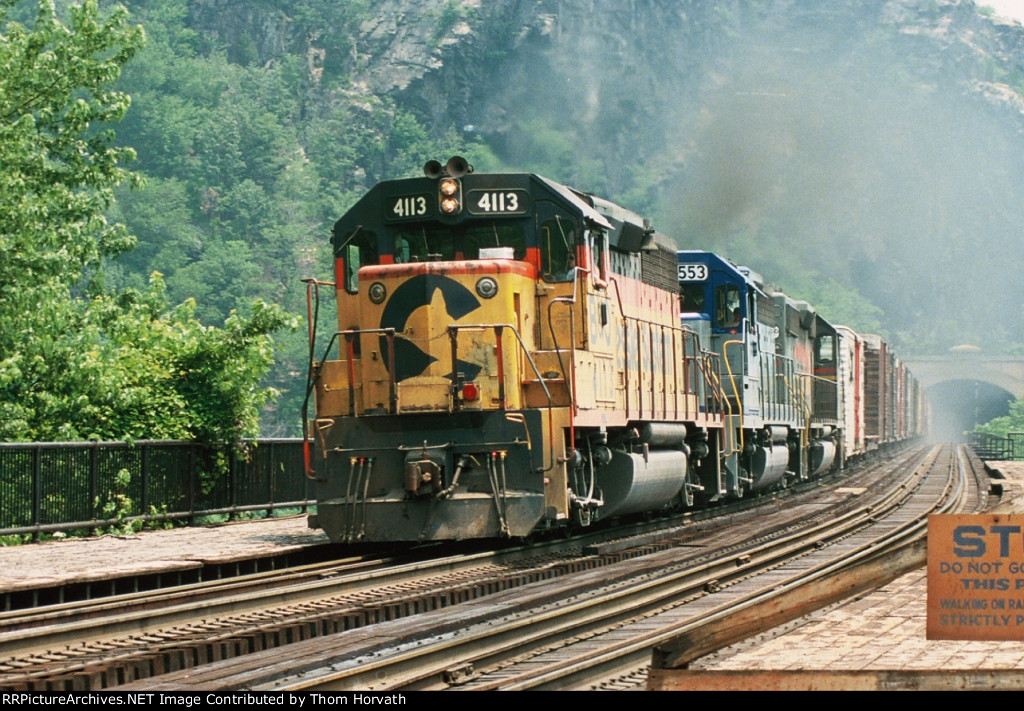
[{"x": 513, "y": 356}]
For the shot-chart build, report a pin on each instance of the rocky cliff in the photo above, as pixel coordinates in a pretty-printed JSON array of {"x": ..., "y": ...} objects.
[
  {"x": 626, "y": 65},
  {"x": 861, "y": 152}
]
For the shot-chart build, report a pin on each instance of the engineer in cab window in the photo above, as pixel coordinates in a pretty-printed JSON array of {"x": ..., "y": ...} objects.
[{"x": 570, "y": 268}]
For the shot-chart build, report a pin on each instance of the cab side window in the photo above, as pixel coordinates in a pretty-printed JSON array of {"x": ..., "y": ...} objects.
[
  {"x": 352, "y": 264},
  {"x": 598, "y": 249},
  {"x": 358, "y": 249},
  {"x": 826, "y": 349},
  {"x": 558, "y": 248},
  {"x": 727, "y": 306}
]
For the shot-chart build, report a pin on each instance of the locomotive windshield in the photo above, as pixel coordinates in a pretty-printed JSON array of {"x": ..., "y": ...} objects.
[
  {"x": 691, "y": 298},
  {"x": 437, "y": 243},
  {"x": 428, "y": 242}
]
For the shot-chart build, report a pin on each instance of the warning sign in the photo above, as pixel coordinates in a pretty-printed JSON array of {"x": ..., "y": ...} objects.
[{"x": 976, "y": 576}]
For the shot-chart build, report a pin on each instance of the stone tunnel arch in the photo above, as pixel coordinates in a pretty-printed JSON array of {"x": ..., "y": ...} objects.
[
  {"x": 959, "y": 405},
  {"x": 967, "y": 388}
]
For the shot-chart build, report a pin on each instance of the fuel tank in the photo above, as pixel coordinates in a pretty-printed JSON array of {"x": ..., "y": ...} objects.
[
  {"x": 821, "y": 455},
  {"x": 631, "y": 483},
  {"x": 768, "y": 465}
]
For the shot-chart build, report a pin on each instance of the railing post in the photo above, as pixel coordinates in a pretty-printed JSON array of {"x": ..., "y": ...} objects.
[
  {"x": 676, "y": 343},
  {"x": 392, "y": 378},
  {"x": 94, "y": 481},
  {"x": 146, "y": 473},
  {"x": 453, "y": 338},
  {"x": 272, "y": 480},
  {"x": 626, "y": 362},
  {"x": 498, "y": 333},
  {"x": 639, "y": 369},
  {"x": 350, "y": 355},
  {"x": 37, "y": 489},
  {"x": 232, "y": 481},
  {"x": 190, "y": 496}
]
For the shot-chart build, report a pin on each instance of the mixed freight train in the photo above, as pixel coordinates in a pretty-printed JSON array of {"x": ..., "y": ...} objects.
[{"x": 514, "y": 356}]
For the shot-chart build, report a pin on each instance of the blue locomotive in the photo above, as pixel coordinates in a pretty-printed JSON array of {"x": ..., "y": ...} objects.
[{"x": 802, "y": 394}]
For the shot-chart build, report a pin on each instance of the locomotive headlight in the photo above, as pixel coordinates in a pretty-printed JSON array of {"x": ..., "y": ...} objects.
[
  {"x": 487, "y": 287},
  {"x": 377, "y": 292},
  {"x": 450, "y": 196}
]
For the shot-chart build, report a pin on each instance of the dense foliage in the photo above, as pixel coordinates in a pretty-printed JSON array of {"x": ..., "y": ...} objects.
[
  {"x": 249, "y": 159},
  {"x": 79, "y": 360},
  {"x": 828, "y": 158},
  {"x": 1002, "y": 426}
]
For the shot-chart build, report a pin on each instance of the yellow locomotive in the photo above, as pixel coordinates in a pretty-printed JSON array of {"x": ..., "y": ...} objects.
[{"x": 509, "y": 358}]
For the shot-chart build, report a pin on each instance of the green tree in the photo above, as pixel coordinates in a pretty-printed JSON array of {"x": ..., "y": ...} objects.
[
  {"x": 59, "y": 169},
  {"x": 76, "y": 359},
  {"x": 1002, "y": 426}
]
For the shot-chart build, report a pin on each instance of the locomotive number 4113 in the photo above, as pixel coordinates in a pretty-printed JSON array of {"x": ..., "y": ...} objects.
[
  {"x": 503, "y": 202},
  {"x": 407, "y": 206}
]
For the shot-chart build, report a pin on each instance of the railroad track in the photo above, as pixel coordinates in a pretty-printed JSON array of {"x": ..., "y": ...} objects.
[
  {"x": 583, "y": 630},
  {"x": 736, "y": 607},
  {"x": 101, "y": 643},
  {"x": 185, "y": 639}
]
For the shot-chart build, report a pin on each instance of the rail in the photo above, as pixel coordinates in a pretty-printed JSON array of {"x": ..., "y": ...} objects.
[
  {"x": 351, "y": 618},
  {"x": 565, "y": 634}
]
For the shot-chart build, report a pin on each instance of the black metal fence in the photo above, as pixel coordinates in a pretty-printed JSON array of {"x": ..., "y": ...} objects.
[
  {"x": 62, "y": 486},
  {"x": 992, "y": 447}
]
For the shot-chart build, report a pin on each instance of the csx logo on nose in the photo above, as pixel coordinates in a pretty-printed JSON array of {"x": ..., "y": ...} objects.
[{"x": 410, "y": 359}]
